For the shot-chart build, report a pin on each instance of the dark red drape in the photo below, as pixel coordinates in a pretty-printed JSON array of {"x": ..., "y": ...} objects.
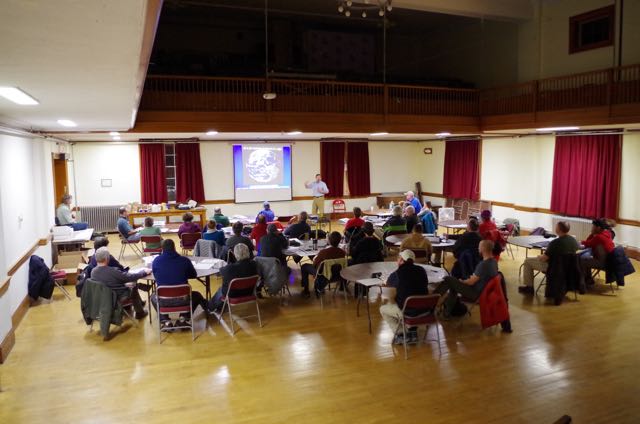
[
  {"x": 462, "y": 170},
  {"x": 586, "y": 176},
  {"x": 358, "y": 168},
  {"x": 152, "y": 173},
  {"x": 189, "y": 184},
  {"x": 332, "y": 167}
]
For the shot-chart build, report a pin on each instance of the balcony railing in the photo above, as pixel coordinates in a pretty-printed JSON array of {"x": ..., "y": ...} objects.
[{"x": 207, "y": 94}]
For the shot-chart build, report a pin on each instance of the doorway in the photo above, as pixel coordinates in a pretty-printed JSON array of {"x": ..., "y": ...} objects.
[{"x": 60, "y": 178}]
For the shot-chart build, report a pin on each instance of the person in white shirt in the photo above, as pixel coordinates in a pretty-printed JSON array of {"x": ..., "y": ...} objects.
[
  {"x": 318, "y": 190},
  {"x": 64, "y": 215}
]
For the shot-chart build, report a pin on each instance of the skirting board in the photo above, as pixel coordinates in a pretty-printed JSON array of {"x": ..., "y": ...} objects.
[
  {"x": 6, "y": 345},
  {"x": 10, "y": 339}
]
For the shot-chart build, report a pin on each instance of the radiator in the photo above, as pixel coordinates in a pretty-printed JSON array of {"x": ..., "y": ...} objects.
[
  {"x": 100, "y": 218},
  {"x": 580, "y": 227}
]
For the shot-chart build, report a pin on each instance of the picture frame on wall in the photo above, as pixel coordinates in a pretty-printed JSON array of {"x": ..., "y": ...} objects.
[{"x": 106, "y": 182}]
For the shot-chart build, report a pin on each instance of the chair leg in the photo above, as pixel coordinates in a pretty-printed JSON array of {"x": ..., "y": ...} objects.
[
  {"x": 193, "y": 333},
  {"x": 258, "y": 311},
  {"x": 122, "y": 247},
  {"x": 159, "y": 325},
  {"x": 438, "y": 337},
  {"x": 233, "y": 331},
  {"x": 404, "y": 339},
  {"x": 135, "y": 324},
  {"x": 62, "y": 289}
]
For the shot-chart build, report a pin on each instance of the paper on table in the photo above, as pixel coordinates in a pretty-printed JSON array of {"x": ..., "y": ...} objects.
[
  {"x": 371, "y": 282},
  {"x": 202, "y": 266}
]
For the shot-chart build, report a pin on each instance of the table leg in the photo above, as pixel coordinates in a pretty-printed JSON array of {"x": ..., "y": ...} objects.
[
  {"x": 208, "y": 287},
  {"x": 366, "y": 299},
  {"x": 355, "y": 290}
]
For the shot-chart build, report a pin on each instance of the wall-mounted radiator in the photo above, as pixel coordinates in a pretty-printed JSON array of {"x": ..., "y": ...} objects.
[
  {"x": 580, "y": 227},
  {"x": 100, "y": 218}
]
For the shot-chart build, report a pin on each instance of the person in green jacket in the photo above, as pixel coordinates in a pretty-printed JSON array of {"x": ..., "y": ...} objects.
[
  {"x": 150, "y": 230},
  {"x": 220, "y": 218}
]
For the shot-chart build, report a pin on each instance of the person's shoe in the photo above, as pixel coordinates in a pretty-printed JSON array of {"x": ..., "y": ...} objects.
[
  {"x": 525, "y": 289},
  {"x": 166, "y": 325},
  {"x": 398, "y": 339},
  {"x": 259, "y": 294},
  {"x": 141, "y": 315},
  {"x": 305, "y": 293},
  {"x": 183, "y": 322},
  {"x": 413, "y": 337}
]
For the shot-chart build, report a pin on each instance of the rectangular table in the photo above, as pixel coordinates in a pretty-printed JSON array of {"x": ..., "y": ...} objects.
[
  {"x": 76, "y": 238},
  {"x": 197, "y": 212}
]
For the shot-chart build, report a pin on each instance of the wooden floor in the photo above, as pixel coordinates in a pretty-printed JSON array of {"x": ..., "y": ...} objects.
[{"x": 308, "y": 365}]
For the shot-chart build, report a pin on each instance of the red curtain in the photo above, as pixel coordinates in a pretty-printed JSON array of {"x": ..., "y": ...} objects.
[
  {"x": 586, "y": 176},
  {"x": 332, "y": 167},
  {"x": 462, "y": 170},
  {"x": 189, "y": 184},
  {"x": 358, "y": 168},
  {"x": 152, "y": 173}
]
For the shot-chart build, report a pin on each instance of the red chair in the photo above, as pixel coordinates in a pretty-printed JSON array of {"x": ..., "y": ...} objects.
[
  {"x": 506, "y": 233},
  {"x": 244, "y": 284},
  {"x": 338, "y": 205},
  {"x": 426, "y": 306},
  {"x": 165, "y": 293},
  {"x": 59, "y": 278},
  {"x": 153, "y": 240},
  {"x": 188, "y": 241}
]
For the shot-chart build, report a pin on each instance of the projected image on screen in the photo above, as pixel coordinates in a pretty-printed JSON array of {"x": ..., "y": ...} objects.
[{"x": 262, "y": 172}]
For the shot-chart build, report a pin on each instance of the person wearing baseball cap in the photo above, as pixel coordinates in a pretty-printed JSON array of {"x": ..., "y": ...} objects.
[
  {"x": 267, "y": 212},
  {"x": 601, "y": 244},
  {"x": 413, "y": 200},
  {"x": 408, "y": 280}
]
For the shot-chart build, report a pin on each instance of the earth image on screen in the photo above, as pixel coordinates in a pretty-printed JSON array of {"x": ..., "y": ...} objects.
[{"x": 262, "y": 165}]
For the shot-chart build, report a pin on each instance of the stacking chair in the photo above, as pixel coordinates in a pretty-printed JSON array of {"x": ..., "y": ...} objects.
[
  {"x": 246, "y": 283},
  {"x": 151, "y": 239},
  {"x": 59, "y": 278},
  {"x": 332, "y": 265},
  {"x": 133, "y": 245},
  {"x": 506, "y": 234},
  {"x": 339, "y": 206},
  {"x": 165, "y": 293},
  {"x": 425, "y": 305},
  {"x": 188, "y": 241},
  {"x": 421, "y": 255}
]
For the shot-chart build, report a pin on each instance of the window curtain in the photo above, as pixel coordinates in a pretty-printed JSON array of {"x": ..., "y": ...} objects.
[
  {"x": 462, "y": 169},
  {"x": 332, "y": 167},
  {"x": 189, "y": 183},
  {"x": 358, "y": 168},
  {"x": 152, "y": 173},
  {"x": 586, "y": 176}
]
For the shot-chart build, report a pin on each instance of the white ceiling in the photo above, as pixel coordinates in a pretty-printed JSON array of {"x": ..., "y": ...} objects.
[{"x": 81, "y": 59}]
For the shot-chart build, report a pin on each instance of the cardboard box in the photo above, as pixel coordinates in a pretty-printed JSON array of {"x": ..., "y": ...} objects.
[{"x": 72, "y": 263}]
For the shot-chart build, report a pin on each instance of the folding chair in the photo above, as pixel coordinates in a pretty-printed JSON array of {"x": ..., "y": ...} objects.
[
  {"x": 245, "y": 284},
  {"x": 425, "y": 305},
  {"x": 166, "y": 293},
  {"x": 388, "y": 246},
  {"x": 59, "y": 277},
  {"x": 342, "y": 263},
  {"x": 151, "y": 240},
  {"x": 133, "y": 245},
  {"x": 339, "y": 206},
  {"x": 188, "y": 241},
  {"x": 505, "y": 235},
  {"x": 421, "y": 255}
]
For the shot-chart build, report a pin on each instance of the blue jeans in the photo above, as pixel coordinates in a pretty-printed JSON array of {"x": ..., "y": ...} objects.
[
  {"x": 77, "y": 226},
  {"x": 134, "y": 237}
]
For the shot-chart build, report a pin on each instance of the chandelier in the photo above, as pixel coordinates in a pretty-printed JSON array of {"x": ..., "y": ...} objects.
[{"x": 364, "y": 7}]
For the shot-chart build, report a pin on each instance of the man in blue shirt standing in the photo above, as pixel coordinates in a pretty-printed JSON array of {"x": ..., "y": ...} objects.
[
  {"x": 413, "y": 200},
  {"x": 267, "y": 212},
  {"x": 318, "y": 190},
  {"x": 124, "y": 228}
]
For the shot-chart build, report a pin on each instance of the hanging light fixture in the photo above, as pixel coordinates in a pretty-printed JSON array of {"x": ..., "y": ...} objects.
[{"x": 347, "y": 7}]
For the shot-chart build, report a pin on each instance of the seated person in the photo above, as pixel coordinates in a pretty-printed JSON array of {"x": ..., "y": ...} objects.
[
  {"x": 330, "y": 252},
  {"x": 408, "y": 280},
  {"x": 273, "y": 244},
  {"x": 212, "y": 233},
  {"x": 259, "y": 230},
  {"x": 121, "y": 282},
  {"x": 172, "y": 269},
  {"x": 396, "y": 222},
  {"x": 469, "y": 240},
  {"x": 417, "y": 241},
  {"x": 367, "y": 249},
  {"x": 66, "y": 217},
  {"x": 472, "y": 287},
  {"x": 237, "y": 237},
  {"x": 564, "y": 244},
  {"x": 300, "y": 228},
  {"x": 267, "y": 212},
  {"x": 150, "y": 230},
  {"x": 410, "y": 217},
  {"x": 124, "y": 228},
  {"x": 427, "y": 208},
  {"x": 486, "y": 224},
  {"x": 220, "y": 219},
  {"x": 243, "y": 267},
  {"x": 600, "y": 244},
  {"x": 188, "y": 226},
  {"x": 113, "y": 262},
  {"x": 356, "y": 221},
  {"x": 413, "y": 201}
]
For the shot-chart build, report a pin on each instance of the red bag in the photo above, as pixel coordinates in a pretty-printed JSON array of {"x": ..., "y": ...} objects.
[{"x": 493, "y": 305}]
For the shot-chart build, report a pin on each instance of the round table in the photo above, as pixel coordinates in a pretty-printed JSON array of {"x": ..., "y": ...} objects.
[
  {"x": 397, "y": 239},
  {"x": 362, "y": 274}
]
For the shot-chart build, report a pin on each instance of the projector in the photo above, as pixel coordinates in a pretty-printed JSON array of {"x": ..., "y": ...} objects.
[{"x": 269, "y": 96}]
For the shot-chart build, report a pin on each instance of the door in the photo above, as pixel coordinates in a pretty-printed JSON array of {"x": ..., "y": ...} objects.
[{"x": 60, "y": 179}]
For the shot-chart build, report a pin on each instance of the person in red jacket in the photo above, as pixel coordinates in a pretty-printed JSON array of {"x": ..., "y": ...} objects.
[
  {"x": 356, "y": 221},
  {"x": 259, "y": 230},
  {"x": 601, "y": 244},
  {"x": 486, "y": 224}
]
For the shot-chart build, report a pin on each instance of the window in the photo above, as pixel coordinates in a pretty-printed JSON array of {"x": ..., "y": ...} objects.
[
  {"x": 592, "y": 30},
  {"x": 170, "y": 170}
]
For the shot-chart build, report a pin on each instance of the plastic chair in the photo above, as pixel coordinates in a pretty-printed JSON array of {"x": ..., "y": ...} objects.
[
  {"x": 164, "y": 293},
  {"x": 338, "y": 205},
  {"x": 132, "y": 244},
  {"x": 188, "y": 241},
  {"x": 427, "y": 315},
  {"x": 245, "y": 283},
  {"x": 153, "y": 240}
]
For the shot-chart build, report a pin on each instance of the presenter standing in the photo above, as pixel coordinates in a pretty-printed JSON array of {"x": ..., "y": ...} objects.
[{"x": 318, "y": 189}]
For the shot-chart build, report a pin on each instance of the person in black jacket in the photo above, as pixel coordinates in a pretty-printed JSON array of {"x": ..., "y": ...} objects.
[
  {"x": 299, "y": 228},
  {"x": 470, "y": 239},
  {"x": 273, "y": 244},
  {"x": 410, "y": 217},
  {"x": 243, "y": 267},
  {"x": 369, "y": 248}
]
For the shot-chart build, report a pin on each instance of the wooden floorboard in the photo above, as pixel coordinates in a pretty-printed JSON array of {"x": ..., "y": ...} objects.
[{"x": 308, "y": 365}]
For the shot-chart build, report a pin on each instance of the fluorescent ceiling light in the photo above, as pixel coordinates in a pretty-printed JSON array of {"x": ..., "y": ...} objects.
[
  {"x": 377, "y": 134},
  {"x": 67, "y": 123},
  {"x": 443, "y": 134},
  {"x": 116, "y": 138},
  {"x": 17, "y": 96},
  {"x": 294, "y": 132},
  {"x": 552, "y": 129},
  {"x": 114, "y": 133},
  {"x": 212, "y": 132}
]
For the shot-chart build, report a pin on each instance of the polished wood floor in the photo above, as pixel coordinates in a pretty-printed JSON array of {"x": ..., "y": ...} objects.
[{"x": 321, "y": 366}]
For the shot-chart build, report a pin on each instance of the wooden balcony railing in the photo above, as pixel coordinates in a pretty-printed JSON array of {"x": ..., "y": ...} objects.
[{"x": 585, "y": 90}]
